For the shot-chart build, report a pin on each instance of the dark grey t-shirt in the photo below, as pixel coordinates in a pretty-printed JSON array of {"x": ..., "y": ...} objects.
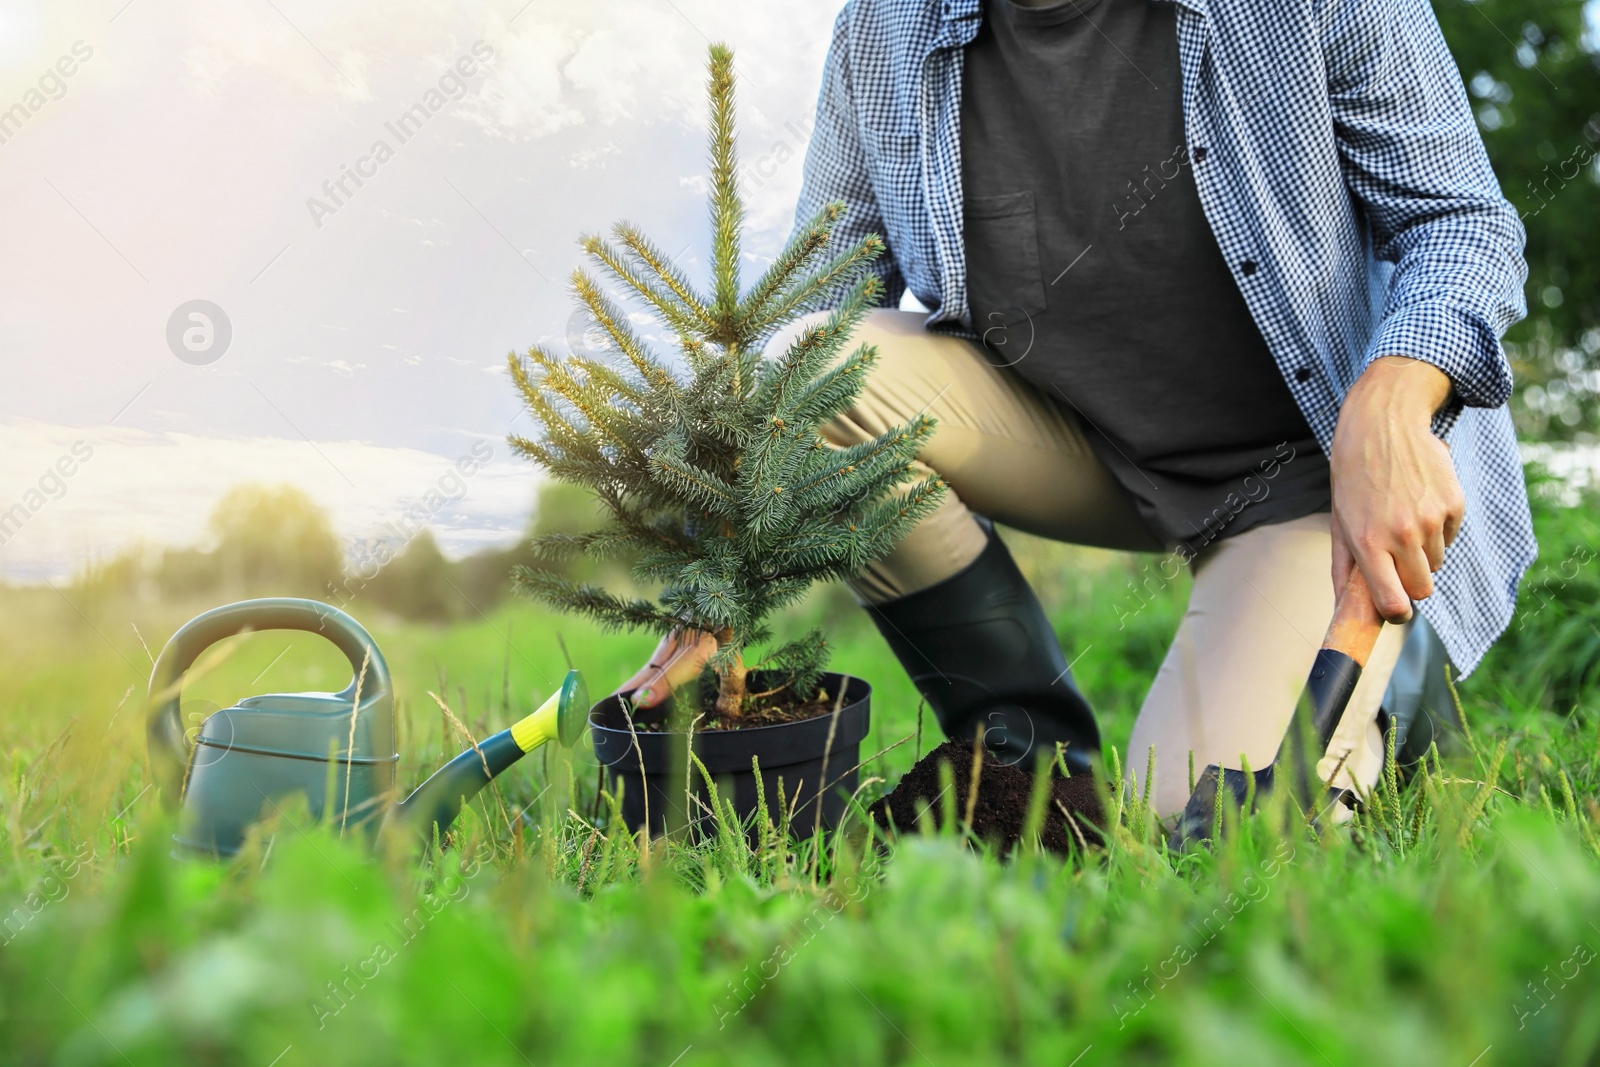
[{"x": 1093, "y": 273}]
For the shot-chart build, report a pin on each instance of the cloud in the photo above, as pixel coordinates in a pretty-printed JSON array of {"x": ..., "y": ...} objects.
[
  {"x": 556, "y": 65},
  {"x": 644, "y": 61},
  {"x": 179, "y": 166},
  {"x": 159, "y": 488}
]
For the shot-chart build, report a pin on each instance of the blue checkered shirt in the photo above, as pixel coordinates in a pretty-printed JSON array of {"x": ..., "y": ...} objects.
[{"x": 1340, "y": 167}]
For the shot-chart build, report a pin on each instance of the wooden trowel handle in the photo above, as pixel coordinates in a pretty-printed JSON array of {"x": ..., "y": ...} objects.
[
  {"x": 1356, "y": 622},
  {"x": 1345, "y": 650}
]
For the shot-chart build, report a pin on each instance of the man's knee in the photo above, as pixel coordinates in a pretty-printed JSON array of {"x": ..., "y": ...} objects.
[
  {"x": 880, "y": 327},
  {"x": 788, "y": 335},
  {"x": 866, "y": 416}
]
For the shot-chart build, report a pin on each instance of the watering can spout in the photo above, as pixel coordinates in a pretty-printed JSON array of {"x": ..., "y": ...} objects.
[{"x": 434, "y": 805}]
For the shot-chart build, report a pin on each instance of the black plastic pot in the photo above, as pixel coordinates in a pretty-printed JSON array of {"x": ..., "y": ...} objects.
[{"x": 792, "y": 754}]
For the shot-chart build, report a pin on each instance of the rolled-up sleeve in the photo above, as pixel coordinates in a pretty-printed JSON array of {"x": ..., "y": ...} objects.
[
  {"x": 836, "y": 166},
  {"x": 1415, "y": 163}
]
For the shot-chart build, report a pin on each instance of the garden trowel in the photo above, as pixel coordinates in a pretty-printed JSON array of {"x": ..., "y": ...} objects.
[{"x": 1349, "y": 641}]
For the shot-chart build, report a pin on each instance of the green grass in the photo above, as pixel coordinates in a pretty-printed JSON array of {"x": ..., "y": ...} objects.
[{"x": 1416, "y": 936}]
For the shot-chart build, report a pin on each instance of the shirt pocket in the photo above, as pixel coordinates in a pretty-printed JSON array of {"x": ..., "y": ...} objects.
[{"x": 1005, "y": 286}]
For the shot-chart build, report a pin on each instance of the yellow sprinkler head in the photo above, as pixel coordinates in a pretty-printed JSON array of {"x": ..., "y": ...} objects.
[{"x": 560, "y": 718}]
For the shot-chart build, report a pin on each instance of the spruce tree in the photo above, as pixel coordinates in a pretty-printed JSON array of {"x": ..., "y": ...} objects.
[{"x": 709, "y": 465}]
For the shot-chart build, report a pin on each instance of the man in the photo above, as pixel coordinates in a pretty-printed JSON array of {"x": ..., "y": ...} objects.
[{"x": 1219, "y": 278}]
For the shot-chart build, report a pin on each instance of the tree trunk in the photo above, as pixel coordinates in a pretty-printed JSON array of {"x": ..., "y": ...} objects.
[{"x": 731, "y": 689}]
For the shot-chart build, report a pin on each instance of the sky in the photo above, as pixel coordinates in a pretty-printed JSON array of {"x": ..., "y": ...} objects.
[{"x": 225, "y": 256}]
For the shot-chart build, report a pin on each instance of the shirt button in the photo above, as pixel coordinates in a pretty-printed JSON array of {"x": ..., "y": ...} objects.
[
  {"x": 1303, "y": 374},
  {"x": 1199, "y": 153},
  {"x": 1247, "y": 267}
]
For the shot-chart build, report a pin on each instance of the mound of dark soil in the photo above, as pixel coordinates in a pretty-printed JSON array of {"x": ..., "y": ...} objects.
[{"x": 1002, "y": 803}]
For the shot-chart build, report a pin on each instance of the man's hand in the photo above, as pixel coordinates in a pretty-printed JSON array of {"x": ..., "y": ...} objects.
[
  {"x": 1396, "y": 500},
  {"x": 677, "y": 660}
]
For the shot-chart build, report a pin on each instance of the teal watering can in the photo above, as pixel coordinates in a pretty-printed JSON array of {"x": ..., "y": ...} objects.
[{"x": 246, "y": 760}]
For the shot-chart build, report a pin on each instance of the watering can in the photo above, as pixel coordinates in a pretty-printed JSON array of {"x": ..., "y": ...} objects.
[{"x": 336, "y": 748}]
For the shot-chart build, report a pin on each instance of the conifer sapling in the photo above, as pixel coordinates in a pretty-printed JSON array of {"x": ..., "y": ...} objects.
[{"x": 709, "y": 464}]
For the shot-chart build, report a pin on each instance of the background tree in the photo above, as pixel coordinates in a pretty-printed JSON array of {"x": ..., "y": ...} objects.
[
  {"x": 269, "y": 538},
  {"x": 417, "y": 583},
  {"x": 1532, "y": 70},
  {"x": 712, "y": 467}
]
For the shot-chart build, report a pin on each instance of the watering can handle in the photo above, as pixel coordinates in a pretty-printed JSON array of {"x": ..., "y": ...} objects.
[{"x": 169, "y": 751}]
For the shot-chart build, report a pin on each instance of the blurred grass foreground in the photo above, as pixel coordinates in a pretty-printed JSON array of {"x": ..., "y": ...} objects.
[{"x": 1455, "y": 916}]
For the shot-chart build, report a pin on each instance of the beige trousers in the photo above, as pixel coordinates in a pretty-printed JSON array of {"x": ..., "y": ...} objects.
[{"x": 1260, "y": 600}]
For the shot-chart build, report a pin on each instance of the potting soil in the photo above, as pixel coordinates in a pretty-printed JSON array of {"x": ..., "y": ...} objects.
[{"x": 1001, "y": 807}]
